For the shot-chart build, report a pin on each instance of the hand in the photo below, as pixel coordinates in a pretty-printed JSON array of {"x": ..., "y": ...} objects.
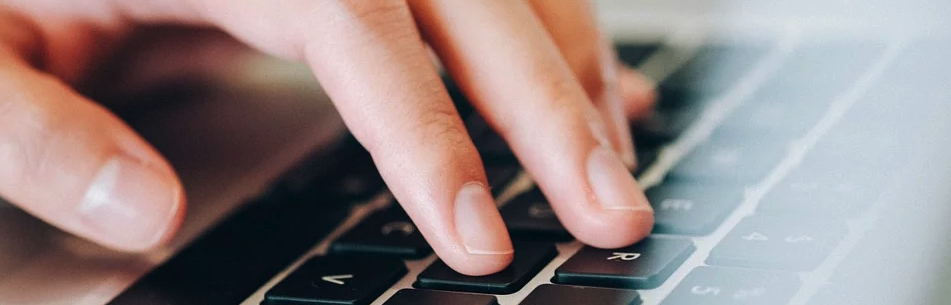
[{"x": 539, "y": 71}]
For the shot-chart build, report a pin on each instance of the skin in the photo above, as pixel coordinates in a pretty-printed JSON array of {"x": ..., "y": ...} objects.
[{"x": 539, "y": 71}]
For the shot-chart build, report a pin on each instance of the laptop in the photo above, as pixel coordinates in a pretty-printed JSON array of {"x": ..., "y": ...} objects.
[{"x": 798, "y": 155}]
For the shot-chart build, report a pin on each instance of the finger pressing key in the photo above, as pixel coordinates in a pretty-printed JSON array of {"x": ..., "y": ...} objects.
[
  {"x": 516, "y": 77},
  {"x": 370, "y": 59}
]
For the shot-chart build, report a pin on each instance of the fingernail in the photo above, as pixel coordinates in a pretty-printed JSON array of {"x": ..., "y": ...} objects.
[
  {"x": 130, "y": 203},
  {"x": 478, "y": 222},
  {"x": 612, "y": 183}
]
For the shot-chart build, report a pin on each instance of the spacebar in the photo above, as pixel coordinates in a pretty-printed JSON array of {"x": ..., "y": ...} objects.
[{"x": 232, "y": 261}]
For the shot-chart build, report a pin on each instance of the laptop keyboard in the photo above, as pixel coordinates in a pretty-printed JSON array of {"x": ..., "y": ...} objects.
[{"x": 696, "y": 254}]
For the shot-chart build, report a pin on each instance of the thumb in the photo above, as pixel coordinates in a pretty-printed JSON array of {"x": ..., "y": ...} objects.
[{"x": 70, "y": 162}]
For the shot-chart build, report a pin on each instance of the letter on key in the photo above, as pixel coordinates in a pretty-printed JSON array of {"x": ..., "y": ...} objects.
[
  {"x": 337, "y": 280},
  {"x": 644, "y": 265}
]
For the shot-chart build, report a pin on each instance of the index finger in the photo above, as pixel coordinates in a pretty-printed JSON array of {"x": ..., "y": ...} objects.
[{"x": 372, "y": 62}]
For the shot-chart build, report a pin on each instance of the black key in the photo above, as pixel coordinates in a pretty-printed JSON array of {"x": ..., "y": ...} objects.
[
  {"x": 337, "y": 280},
  {"x": 347, "y": 172},
  {"x": 573, "y": 295},
  {"x": 492, "y": 147},
  {"x": 530, "y": 258},
  {"x": 529, "y": 216},
  {"x": 635, "y": 54},
  {"x": 675, "y": 112},
  {"x": 733, "y": 286},
  {"x": 386, "y": 232},
  {"x": 736, "y": 157},
  {"x": 644, "y": 265},
  {"x": 242, "y": 253},
  {"x": 646, "y": 156},
  {"x": 500, "y": 175},
  {"x": 430, "y": 297},
  {"x": 783, "y": 242},
  {"x": 689, "y": 208}
]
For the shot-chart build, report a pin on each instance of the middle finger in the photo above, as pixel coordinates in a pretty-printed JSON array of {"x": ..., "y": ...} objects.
[{"x": 505, "y": 62}]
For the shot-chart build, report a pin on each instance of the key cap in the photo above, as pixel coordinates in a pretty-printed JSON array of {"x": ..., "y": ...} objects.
[
  {"x": 242, "y": 253},
  {"x": 633, "y": 54},
  {"x": 825, "y": 67},
  {"x": 787, "y": 115},
  {"x": 500, "y": 174},
  {"x": 573, "y": 295},
  {"x": 530, "y": 258},
  {"x": 430, "y": 297},
  {"x": 347, "y": 172},
  {"x": 675, "y": 112},
  {"x": 644, "y": 265},
  {"x": 689, "y": 208},
  {"x": 783, "y": 242},
  {"x": 387, "y": 232},
  {"x": 337, "y": 280},
  {"x": 645, "y": 158},
  {"x": 735, "y": 157},
  {"x": 827, "y": 190},
  {"x": 732, "y": 286},
  {"x": 492, "y": 147},
  {"x": 715, "y": 68},
  {"x": 530, "y": 217}
]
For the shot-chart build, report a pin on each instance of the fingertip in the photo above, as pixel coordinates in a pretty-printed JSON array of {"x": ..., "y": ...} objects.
[
  {"x": 638, "y": 93},
  {"x": 132, "y": 207},
  {"x": 479, "y": 264},
  {"x": 487, "y": 247},
  {"x": 626, "y": 228}
]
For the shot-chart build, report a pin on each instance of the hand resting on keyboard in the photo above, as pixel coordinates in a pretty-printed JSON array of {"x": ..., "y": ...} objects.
[{"x": 539, "y": 71}]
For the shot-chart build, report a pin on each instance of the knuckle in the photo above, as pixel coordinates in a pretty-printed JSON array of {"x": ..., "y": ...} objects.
[
  {"x": 566, "y": 99},
  {"x": 443, "y": 127},
  {"x": 375, "y": 11},
  {"x": 358, "y": 24}
]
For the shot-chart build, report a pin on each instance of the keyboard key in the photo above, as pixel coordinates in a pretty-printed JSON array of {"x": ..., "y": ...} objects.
[
  {"x": 530, "y": 258},
  {"x": 530, "y": 217},
  {"x": 386, "y": 232},
  {"x": 732, "y": 286},
  {"x": 492, "y": 147},
  {"x": 646, "y": 157},
  {"x": 347, "y": 172},
  {"x": 633, "y": 54},
  {"x": 736, "y": 157},
  {"x": 689, "y": 208},
  {"x": 787, "y": 115},
  {"x": 243, "y": 252},
  {"x": 783, "y": 242},
  {"x": 430, "y": 297},
  {"x": 573, "y": 295},
  {"x": 644, "y": 265},
  {"x": 824, "y": 67},
  {"x": 337, "y": 280},
  {"x": 832, "y": 191},
  {"x": 674, "y": 113},
  {"x": 500, "y": 175},
  {"x": 860, "y": 142},
  {"x": 715, "y": 68}
]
